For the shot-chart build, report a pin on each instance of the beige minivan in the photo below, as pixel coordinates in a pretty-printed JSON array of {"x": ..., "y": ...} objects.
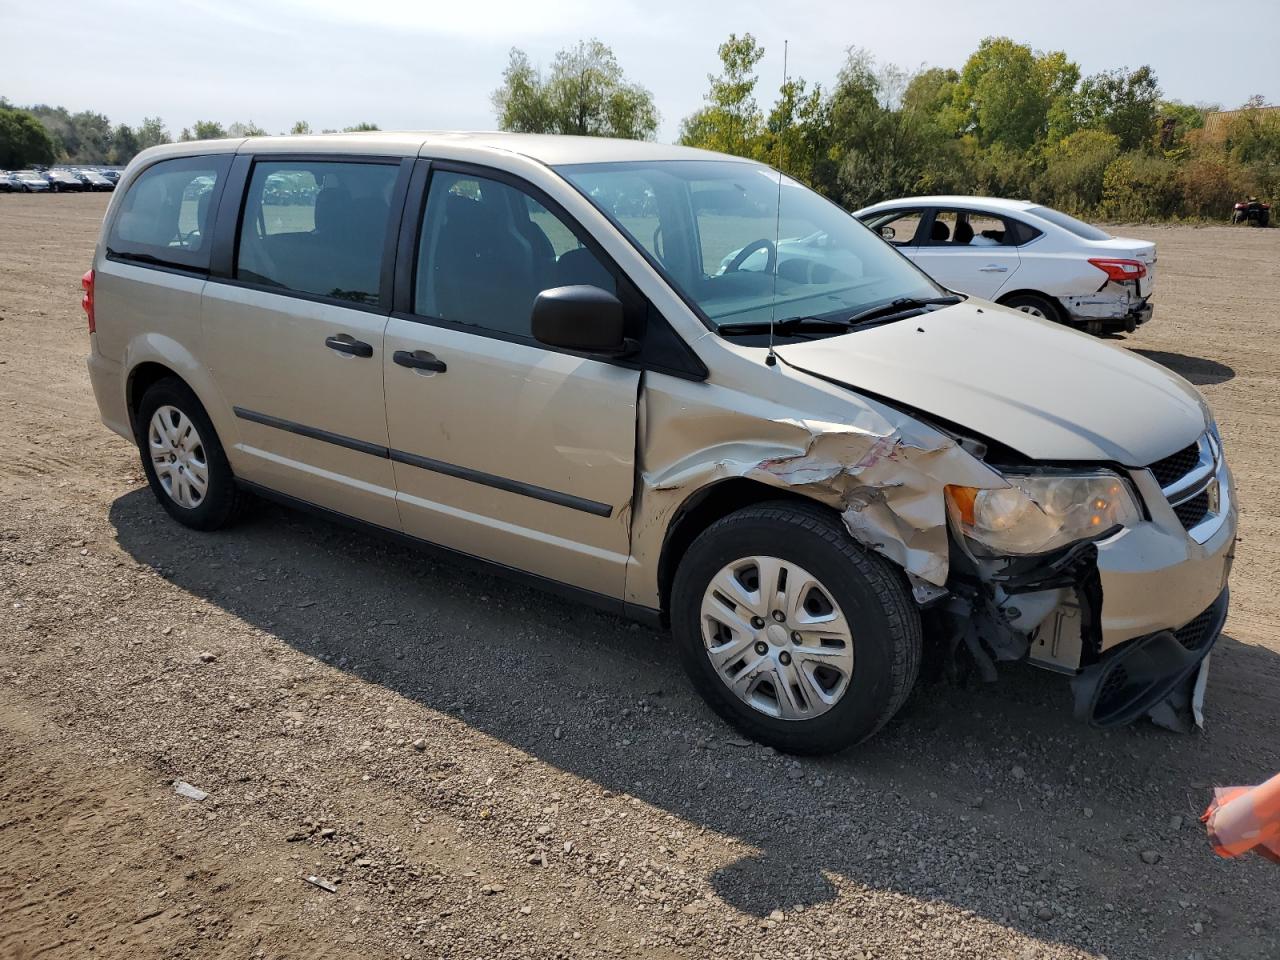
[{"x": 673, "y": 384}]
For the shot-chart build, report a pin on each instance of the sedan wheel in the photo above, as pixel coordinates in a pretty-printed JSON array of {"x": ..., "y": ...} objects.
[
  {"x": 178, "y": 456},
  {"x": 777, "y": 638},
  {"x": 1033, "y": 310}
]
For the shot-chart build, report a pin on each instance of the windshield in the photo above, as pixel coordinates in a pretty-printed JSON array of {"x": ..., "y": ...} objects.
[
  {"x": 1081, "y": 229},
  {"x": 716, "y": 231}
]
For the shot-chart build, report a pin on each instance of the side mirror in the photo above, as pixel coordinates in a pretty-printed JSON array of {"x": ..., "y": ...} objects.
[
  {"x": 581, "y": 318},
  {"x": 887, "y": 232}
]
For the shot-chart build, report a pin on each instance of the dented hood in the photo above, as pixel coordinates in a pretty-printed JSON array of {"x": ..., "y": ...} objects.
[{"x": 1046, "y": 391}]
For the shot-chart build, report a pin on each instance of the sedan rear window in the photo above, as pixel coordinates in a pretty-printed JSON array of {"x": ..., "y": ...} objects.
[
  {"x": 166, "y": 217},
  {"x": 1081, "y": 229}
]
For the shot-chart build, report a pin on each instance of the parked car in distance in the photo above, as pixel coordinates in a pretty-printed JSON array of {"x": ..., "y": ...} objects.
[
  {"x": 1024, "y": 255},
  {"x": 111, "y": 174},
  {"x": 93, "y": 180},
  {"x": 30, "y": 181},
  {"x": 61, "y": 181},
  {"x": 9, "y": 183},
  {"x": 526, "y": 351}
]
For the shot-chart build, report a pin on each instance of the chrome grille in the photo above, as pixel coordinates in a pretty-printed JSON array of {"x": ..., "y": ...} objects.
[
  {"x": 1176, "y": 466},
  {"x": 1190, "y": 512},
  {"x": 1190, "y": 480}
]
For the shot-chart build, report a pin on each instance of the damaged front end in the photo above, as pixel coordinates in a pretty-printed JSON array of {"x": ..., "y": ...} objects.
[
  {"x": 1048, "y": 610},
  {"x": 1083, "y": 570}
]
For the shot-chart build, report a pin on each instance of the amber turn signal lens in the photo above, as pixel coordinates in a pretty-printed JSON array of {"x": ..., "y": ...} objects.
[{"x": 963, "y": 499}]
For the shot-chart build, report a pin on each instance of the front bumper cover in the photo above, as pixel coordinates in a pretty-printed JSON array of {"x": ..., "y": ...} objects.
[{"x": 1132, "y": 679}]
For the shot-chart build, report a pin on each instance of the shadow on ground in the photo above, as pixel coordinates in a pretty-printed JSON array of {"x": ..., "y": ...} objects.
[
  {"x": 972, "y": 796},
  {"x": 1199, "y": 370}
]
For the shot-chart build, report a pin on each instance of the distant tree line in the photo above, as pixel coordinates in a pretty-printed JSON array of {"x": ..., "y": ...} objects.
[
  {"x": 1010, "y": 122},
  {"x": 42, "y": 134}
]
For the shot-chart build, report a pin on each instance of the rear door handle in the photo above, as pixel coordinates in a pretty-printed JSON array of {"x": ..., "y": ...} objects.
[
  {"x": 993, "y": 268},
  {"x": 345, "y": 343},
  {"x": 420, "y": 360}
]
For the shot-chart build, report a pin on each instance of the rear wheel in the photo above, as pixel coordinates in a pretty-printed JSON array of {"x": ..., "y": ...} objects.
[
  {"x": 1035, "y": 305},
  {"x": 185, "y": 464},
  {"x": 794, "y": 633}
]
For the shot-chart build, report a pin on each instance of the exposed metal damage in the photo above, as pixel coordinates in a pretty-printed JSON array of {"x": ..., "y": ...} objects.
[{"x": 886, "y": 479}]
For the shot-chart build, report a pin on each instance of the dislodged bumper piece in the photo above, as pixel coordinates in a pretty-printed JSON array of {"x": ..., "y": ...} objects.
[{"x": 1131, "y": 680}]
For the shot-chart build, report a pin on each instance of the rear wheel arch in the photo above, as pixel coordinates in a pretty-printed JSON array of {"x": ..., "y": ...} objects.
[
  {"x": 141, "y": 379},
  {"x": 1008, "y": 300}
]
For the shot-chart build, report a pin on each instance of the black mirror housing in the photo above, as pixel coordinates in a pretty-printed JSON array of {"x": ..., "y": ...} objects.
[{"x": 581, "y": 318}]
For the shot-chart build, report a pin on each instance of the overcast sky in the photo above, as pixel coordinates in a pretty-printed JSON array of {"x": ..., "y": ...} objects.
[{"x": 431, "y": 65}]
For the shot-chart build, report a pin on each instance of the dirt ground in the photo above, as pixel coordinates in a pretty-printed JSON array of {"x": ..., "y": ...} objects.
[{"x": 483, "y": 771}]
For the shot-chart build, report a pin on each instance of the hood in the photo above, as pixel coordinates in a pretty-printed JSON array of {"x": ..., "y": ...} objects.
[{"x": 1042, "y": 389}]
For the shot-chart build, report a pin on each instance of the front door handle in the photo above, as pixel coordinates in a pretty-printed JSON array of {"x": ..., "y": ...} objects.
[
  {"x": 993, "y": 268},
  {"x": 420, "y": 360},
  {"x": 345, "y": 343}
]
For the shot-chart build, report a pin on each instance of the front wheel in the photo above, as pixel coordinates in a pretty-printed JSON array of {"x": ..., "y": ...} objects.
[
  {"x": 185, "y": 464},
  {"x": 794, "y": 633}
]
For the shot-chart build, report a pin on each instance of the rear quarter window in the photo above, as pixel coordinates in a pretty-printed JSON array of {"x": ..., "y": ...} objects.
[{"x": 166, "y": 218}]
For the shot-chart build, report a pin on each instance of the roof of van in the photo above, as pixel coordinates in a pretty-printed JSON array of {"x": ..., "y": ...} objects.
[{"x": 545, "y": 148}]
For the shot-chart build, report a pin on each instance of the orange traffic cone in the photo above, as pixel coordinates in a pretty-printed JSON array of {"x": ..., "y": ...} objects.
[{"x": 1241, "y": 819}]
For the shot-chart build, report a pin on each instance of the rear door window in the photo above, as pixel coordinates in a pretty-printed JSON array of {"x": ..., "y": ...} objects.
[
  {"x": 970, "y": 228},
  {"x": 166, "y": 218},
  {"x": 317, "y": 228}
]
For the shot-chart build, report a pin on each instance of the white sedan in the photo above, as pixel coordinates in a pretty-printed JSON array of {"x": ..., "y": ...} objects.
[{"x": 1023, "y": 255}]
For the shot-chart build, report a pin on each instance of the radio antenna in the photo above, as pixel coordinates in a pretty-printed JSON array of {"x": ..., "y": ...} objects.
[{"x": 771, "y": 359}]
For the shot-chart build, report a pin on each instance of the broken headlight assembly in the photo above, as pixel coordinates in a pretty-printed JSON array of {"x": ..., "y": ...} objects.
[{"x": 1040, "y": 512}]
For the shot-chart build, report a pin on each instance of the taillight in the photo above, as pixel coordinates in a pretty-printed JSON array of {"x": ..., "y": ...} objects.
[
  {"x": 86, "y": 299},
  {"x": 1120, "y": 270}
]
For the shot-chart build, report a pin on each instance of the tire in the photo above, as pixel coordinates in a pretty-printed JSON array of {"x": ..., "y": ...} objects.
[
  {"x": 882, "y": 621},
  {"x": 1034, "y": 304},
  {"x": 177, "y": 485}
]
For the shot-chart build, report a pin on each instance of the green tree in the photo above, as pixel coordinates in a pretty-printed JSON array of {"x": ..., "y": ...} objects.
[
  {"x": 152, "y": 133},
  {"x": 797, "y": 133},
  {"x": 23, "y": 139},
  {"x": 204, "y": 130},
  {"x": 930, "y": 91},
  {"x": 1006, "y": 93},
  {"x": 300, "y": 128},
  {"x": 1122, "y": 102},
  {"x": 361, "y": 128},
  {"x": 124, "y": 144},
  {"x": 585, "y": 93},
  {"x": 1253, "y": 142},
  {"x": 731, "y": 122},
  {"x": 1140, "y": 186},
  {"x": 250, "y": 129},
  {"x": 1075, "y": 167},
  {"x": 1174, "y": 121}
]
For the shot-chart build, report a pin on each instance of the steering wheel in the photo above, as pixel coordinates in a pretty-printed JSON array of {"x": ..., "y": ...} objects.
[{"x": 736, "y": 263}]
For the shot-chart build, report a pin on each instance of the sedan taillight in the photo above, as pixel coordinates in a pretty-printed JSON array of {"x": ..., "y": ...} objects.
[
  {"x": 86, "y": 299},
  {"x": 1120, "y": 270}
]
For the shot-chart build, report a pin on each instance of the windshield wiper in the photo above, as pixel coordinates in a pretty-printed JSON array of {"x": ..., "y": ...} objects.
[
  {"x": 787, "y": 327},
  {"x": 897, "y": 309}
]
